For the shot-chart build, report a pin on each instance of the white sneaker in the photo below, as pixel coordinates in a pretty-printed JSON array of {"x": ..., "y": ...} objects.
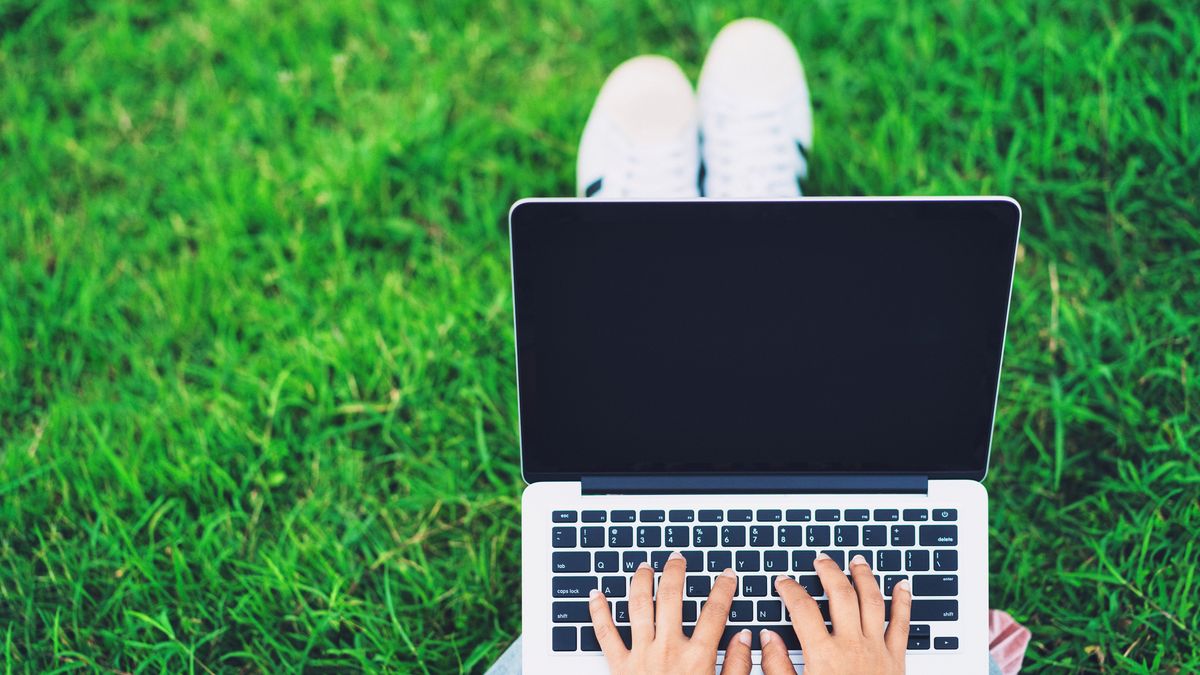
[
  {"x": 641, "y": 139},
  {"x": 755, "y": 113}
]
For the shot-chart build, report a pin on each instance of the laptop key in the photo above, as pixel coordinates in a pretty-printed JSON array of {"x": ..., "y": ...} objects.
[
  {"x": 608, "y": 561},
  {"x": 918, "y": 643},
  {"x": 762, "y": 535},
  {"x": 631, "y": 560},
  {"x": 627, "y": 516},
  {"x": 775, "y": 561},
  {"x": 747, "y": 561},
  {"x": 689, "y": 611},
  {"x": 919, "y": 630},
  {"x": 740, "y": 515},
  {"x": 704, "y": 536},
  {"x": 591, "y": 536},
  {"x": 626, "y": 633},
  {"x": 564, "y": 516},
  {"x": 798, "y": 515},
  {"x": 587, "y": 639},
  {"x": 889, "y": 561},
  {"x": 697, "y": 586},
  {"x": 620, "y": 536},
  {"x": 785, "y": 633},
  {"x": 935, "y": 584},
  {"x": 934, "y": 610},
  {"x": 828, "y": 515},
  {"x": 675, "y": 536},
  {"x": 916, "y": 560},
  {"x": 812, "y": 584},
  {"x": 939, "y": 535},
  {"x": 652, "y": 516},
  {"x": 681, "y": 515},
  {"x": 613, "y": 587},
  {"x": 890, "y": 581},
  {"x": 916, "y": 514},
  {"x": 769, "y": 610},
  {"x": 945, "y": 514},
  {"x": 945, "y": 561},
  {"x": 733, "y": 536},
  {"x": 563, "y": 638},
  {"x": 741, "y": 611},
  {"x": 853, "y": 515},
  {"x": 769, "y": 515},
  {"x": 621, "y": 611},
  {"x": 904, "y": 535},
  {"x": 694, "y": 560},
  {"x": 595, "y": 516},
  {"x": 658, "y": 560},
  {"x": 867, "y": 555},
  {"x": 563, "y": 537},
  {"x": 802, "y": 561},
  {"x": 874, "y": 535},
  {"x": 818, "y": 535},
  {"x": 754, "y": 586},
  {"x": 571, "y": 612},
  {"x": 712, "y": 515},
  {"x": 838, "y": 557},
  {"x": 649, "y": 536},
  {"x": 719, "y": 561},
  {"x": 945, "y": 643},
  {"x": 845, "y": 535},
  {"x": 571, "y": 561},
  {"x": 573, "y": 587},
  {"x": 886, "y": 515},
  {"x": 791, "y": 535}
]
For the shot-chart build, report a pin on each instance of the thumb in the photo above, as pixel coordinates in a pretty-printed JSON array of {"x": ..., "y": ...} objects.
[
  {"x": 775, "y": 660},
  {"x": 737, "y": 655}
]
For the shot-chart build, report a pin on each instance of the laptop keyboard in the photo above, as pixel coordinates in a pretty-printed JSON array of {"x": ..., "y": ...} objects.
[{"x": 602, "y": 549}]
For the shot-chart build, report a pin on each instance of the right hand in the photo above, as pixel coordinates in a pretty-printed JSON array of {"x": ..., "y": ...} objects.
[{"x": 858, "y": 644}]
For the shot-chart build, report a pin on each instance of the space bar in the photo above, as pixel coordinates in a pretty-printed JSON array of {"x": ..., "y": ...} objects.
[{"x": 784, "y": 631}]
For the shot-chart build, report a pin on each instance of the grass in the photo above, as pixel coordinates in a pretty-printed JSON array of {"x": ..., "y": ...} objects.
[{"x": 257, "y": 409}]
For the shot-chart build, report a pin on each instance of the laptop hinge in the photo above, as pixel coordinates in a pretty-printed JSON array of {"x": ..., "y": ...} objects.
[{"x": 742, "y": 484}]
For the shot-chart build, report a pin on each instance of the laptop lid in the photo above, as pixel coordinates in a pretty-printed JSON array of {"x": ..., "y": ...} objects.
[{"x": 810, "y": 336}]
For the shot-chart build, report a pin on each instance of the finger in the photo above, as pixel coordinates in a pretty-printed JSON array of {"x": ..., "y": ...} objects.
[
  {"x": 606, "y": 633},
  {"x": 641, "y": 606},
  {"x": 669, "y": 603},
  {"x": 897, "y": 630},
  {"x": 870, "y": 600},
  {"x": 806, "y": 616},
  {"x": 737, "y": 655},
  {"x": 775, "y": 659},
  {"x": 712, "y": 620},
  {"x": 843, "y": 601}
]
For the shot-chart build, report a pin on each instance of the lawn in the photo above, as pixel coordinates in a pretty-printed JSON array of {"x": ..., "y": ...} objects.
[{"x": 257, "y": 409}]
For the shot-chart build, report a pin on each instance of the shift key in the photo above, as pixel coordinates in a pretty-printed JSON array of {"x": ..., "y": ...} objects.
[
  {"x": 932, "y": 610},
  {"x": 573, "y": 587}
]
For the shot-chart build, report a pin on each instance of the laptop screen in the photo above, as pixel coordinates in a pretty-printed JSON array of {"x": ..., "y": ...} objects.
[{"x": 803, "y": 336}]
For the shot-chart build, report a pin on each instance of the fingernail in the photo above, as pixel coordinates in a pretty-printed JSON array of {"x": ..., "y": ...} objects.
[
  {"x": 744, "y": 636},
  {"x": 858, "y": 560},
  {"x": 645, "y": 565},
  {"x": 675, "y": 555},
  {"x": 595, "y": 593},
  {"x": 821, "y": 556},
  {"x": 729, "y": 573},
  {"x": 902, "y": 585},
  {"x": 766, "y": 636},
  {"x": 779, "y": 579}
]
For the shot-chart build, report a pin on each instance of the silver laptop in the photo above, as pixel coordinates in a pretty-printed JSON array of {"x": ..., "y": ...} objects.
[{"x": 751, "y": 383}]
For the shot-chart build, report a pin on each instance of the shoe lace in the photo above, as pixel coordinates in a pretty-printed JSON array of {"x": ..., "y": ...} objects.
[
  {"x": 753, "y": 153},
  {"x": 655, "y": 171}
]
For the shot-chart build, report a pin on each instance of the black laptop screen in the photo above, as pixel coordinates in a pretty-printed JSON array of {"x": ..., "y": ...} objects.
[{"x": 760, "y": 337}]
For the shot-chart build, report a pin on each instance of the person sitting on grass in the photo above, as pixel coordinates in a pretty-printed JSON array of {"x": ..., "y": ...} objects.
[{"x": 746, "y": 133}]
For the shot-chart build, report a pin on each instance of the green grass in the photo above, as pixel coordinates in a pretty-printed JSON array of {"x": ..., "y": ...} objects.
[{"x": 257, "y": 408}]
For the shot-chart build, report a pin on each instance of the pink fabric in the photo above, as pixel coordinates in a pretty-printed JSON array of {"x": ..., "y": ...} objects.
[{"x": 1008, "y": 641}]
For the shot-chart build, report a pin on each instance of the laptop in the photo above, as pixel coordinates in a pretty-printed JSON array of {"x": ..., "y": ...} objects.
[{"x": 751, "y": 383}]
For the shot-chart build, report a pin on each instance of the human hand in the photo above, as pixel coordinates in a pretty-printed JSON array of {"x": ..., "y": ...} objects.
[
  {"x": 659, "y": 645},
  {"x": 858, "y": 643}
]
